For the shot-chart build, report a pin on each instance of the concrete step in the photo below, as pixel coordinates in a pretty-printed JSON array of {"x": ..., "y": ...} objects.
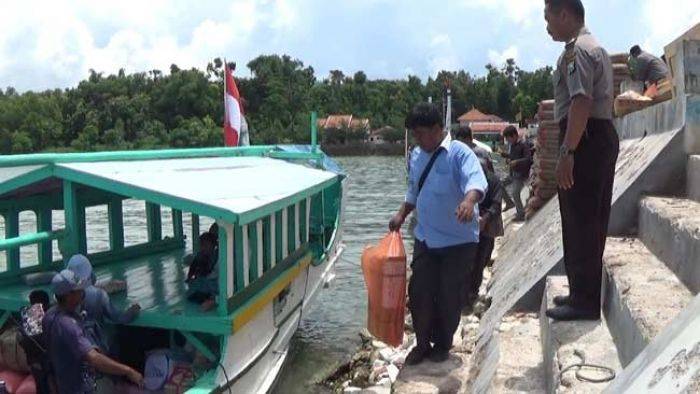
[
  {"x": 520, "y": 368},
  {"x": 670, "y": 228},
  {"x": 563, "y": 344},
  {"x": 694, "y": 177},
  {"x": 641, "y": 295}
]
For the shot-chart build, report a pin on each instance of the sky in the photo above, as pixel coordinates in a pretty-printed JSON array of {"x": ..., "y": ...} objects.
[{"x": 54, "y": 44}]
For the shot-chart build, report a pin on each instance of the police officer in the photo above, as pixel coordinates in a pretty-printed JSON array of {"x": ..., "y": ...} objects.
[{"x": 583, "y": 86}]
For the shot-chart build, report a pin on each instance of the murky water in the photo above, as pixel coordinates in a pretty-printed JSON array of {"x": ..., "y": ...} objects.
[{"x": 329, "y": 336}]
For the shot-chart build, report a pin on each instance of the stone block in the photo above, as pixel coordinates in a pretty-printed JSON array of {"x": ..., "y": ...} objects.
[
  {"x": 670, "y": 228},
  {"x": 693, "y": 178},
  {"x": 670, "y": 363},
  {"x": 564, "y": 344},
  {"x": 641, "y": 295}
]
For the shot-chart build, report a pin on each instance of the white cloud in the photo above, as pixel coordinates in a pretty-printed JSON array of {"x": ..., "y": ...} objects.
[
  {"x": 498, "y": 58},
  {"x": 49, "y": 44},
  {"x": 667, "y": 21},
  {"x": 522, "y": 12},
  {"x": 442, "y": 54}
]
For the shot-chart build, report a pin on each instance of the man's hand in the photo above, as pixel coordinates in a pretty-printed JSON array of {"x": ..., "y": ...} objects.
[
  {"x": 396, "y": 222},
  {"x": 136, "y": 308},
  {"x": 465, "y": 211},
  {"x": 565, "y": 172},
  {"x": 135, "y": 377}
]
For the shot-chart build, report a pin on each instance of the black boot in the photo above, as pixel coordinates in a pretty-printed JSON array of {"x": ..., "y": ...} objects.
[
  {"x": 570, "y": 313},
  {"x": 418, "y": 354},
  {"x": 562, "y": 300}
]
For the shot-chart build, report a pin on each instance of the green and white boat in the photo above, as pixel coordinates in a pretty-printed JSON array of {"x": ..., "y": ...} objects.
[{"x": 278, "y": 211}]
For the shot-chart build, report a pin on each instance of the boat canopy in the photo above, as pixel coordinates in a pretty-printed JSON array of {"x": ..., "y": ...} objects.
[{"x": 277, "y": 211}]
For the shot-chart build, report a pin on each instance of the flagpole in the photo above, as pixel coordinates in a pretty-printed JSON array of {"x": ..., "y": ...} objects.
[{"x": 224, "y": 96}]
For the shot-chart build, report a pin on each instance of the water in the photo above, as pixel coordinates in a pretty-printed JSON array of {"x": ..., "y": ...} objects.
[{"x": 329, "y": 335}]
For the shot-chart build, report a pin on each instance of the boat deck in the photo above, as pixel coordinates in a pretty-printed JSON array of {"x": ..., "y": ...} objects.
[{"x": 156, "y": 282}]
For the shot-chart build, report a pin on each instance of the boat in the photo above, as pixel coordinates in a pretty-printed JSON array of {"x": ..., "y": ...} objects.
[{"x": 278, "y": 210}]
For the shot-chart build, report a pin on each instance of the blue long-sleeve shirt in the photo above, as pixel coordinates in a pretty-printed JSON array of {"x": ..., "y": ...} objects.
[
  {"x": 98, "y": 307},
  {"x": 453, "y": 175}
]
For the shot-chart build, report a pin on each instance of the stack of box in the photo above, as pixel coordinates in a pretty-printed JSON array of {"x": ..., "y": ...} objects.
[{"x": 543, "y": 180}]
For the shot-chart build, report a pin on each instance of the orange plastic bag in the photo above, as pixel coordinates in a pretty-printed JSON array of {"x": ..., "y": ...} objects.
[{"x": 384, "y": 268}]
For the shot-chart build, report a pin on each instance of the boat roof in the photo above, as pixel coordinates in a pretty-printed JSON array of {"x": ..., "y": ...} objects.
[{"x": 236, "y": 189}]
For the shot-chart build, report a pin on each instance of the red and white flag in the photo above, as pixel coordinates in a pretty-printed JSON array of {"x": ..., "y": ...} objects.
[{"x": 233, "y": 111}]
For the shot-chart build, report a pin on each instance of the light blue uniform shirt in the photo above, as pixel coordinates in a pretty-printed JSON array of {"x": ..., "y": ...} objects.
[{"x": 455, "y": 172}]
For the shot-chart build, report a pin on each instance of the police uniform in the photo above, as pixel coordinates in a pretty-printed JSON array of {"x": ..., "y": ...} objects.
[{"x": 585, "y": 69}]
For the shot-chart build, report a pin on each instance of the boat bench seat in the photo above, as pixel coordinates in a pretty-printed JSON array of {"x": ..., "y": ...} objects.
[{"x": 156, "y": 282}]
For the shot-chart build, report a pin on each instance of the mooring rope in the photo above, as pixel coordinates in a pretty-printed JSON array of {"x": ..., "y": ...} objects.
[{"x": 583, "y": 364}]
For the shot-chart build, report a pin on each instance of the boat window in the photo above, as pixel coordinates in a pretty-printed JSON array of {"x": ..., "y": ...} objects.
[
  {"x": 97, "y": 229},
  {"x": 135, "y": 227},
  {"x": 29, "y": 254},
  {"x": 166, "y": 222},
  {"x": 58, "y": 220}
]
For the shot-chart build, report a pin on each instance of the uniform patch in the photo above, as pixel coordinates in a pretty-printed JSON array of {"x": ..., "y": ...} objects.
[{"x": 571, "y": 67}]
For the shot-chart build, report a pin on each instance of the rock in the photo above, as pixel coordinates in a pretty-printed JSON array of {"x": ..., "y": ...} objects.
[
  {"x": 385, "y": 382},
  {"x": 365, "y": 335},
  {"x": 378, "y": 363},
  {"x": 378, "y": 344},
  {"x": 393, "y": 372},
  {"x": 399, "y": 358},
  {"x": 361, "y": 377},
  {"x": 386, "y": 354},
  {"x": 352, "y": 389},
  {"x": 346, "y": 384},
  {"x": 377, "y": 390},
  {"x": 472, "y": 319},
  {"x": 376, "y": 373}
]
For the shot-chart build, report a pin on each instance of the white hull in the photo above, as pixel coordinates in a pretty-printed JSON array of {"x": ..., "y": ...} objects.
[{"x": 254, "y": 356}]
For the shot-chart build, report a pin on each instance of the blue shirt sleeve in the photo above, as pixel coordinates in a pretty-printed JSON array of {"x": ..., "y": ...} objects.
[
  {"x": 114, "y": 314},
  {"x": 469, "y": 172},
  {"x": 412, "y": 191}
]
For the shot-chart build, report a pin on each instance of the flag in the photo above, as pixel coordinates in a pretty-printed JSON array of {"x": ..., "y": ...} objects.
[{"x": 233, "y": 111}]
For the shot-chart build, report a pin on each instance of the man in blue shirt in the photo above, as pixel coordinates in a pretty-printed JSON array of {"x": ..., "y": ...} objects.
[{"x": 445, "y": 196}]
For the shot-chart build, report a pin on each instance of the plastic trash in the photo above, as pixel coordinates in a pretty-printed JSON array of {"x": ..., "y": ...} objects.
[{"x": 384, "y": 269}]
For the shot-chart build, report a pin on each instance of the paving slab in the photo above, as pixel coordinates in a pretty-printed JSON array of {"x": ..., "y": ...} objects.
[
  {"x": 641, "y": 295},
  {"x": 671, "y": 362},
  {"x": 568, "y": 343},
  {"x": 670, "y": 228},
  {"x": 521, "y": 369}
]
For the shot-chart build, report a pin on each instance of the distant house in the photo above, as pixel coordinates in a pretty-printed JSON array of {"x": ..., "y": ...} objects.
[
  {"x": 476, "y": 116},
  {"x": 341, "y": 129},
  {"x": 343, "y": 122},
  {"x": 486, "y": 127}
]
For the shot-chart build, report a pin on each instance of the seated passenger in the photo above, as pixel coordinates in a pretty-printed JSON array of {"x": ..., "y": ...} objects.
[
  {"x": 73, "y": 357},
  {"x": 202, "y": 276},
  {"x": 97, "y": 305},
  {"x": 32, "y": 341}
]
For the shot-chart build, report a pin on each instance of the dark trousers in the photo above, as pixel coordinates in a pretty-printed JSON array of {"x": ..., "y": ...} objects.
[
  {"x": 476, "y": 276},
  {"x": 437, "y": 291},
  {"x": 585, "y": 211}
]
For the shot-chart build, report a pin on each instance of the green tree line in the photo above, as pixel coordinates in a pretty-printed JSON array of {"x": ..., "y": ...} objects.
[{"x": 183, "y": 108}]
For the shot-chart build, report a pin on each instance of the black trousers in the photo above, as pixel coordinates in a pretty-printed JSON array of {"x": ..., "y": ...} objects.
[
  {"x": 476, "y": 276},
  {"x": 585, "y": 211},
  {"x": 437, "y": 291}
]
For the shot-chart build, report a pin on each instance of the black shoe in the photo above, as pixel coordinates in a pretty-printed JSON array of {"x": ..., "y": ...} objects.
[
  {"x": 562, "y": 300},
  {"x": 519, "y": 218},
  {"x": 570, "y": 313},
  {"x": 439, "y": 355},
  {"x": 417, "y": 355}
]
